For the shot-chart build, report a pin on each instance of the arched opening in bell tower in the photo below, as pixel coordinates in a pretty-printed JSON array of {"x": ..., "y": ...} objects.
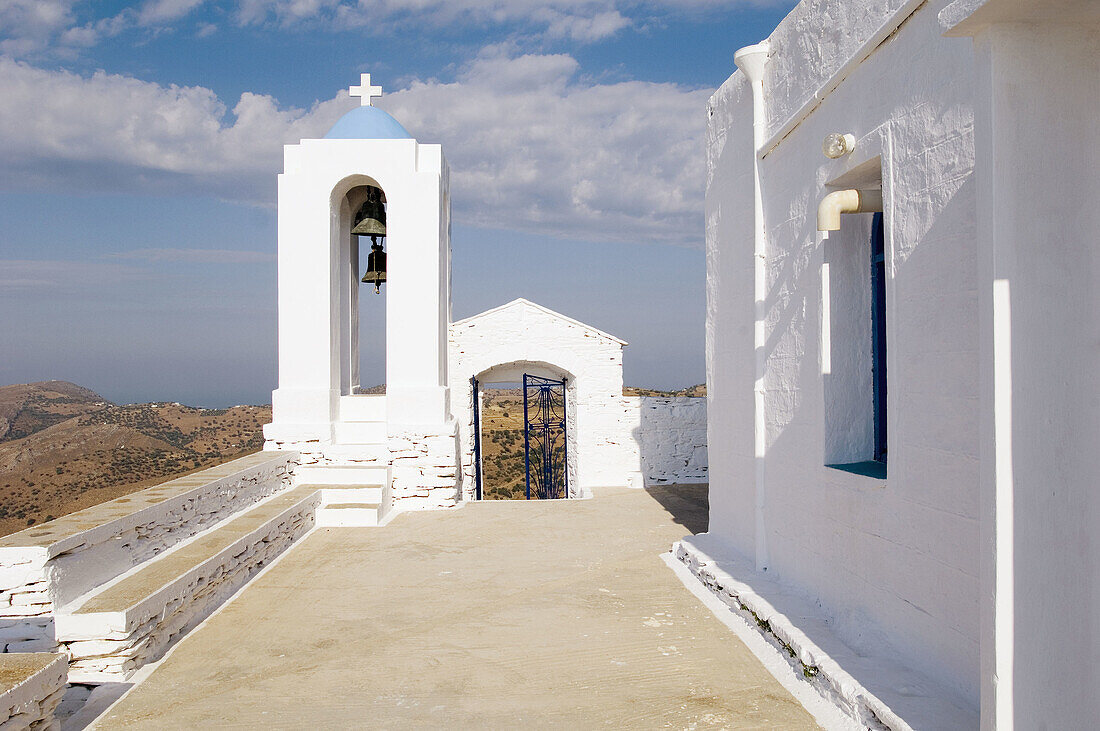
[{"x": 360, "y": 218}]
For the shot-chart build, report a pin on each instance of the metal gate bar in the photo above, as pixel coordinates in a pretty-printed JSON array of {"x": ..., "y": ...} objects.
[{"x": 477, "y": 438}]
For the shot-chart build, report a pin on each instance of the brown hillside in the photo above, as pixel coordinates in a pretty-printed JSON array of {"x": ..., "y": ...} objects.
[
  {"x": 30, "y": 407},
  {"x": 79, "y": 449}
]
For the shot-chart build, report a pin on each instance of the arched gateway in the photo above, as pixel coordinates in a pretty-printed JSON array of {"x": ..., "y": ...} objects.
[{"x": 522, "y": 338}]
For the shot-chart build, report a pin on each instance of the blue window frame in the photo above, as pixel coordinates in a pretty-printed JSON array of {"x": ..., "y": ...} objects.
[{"x": 878, "y": 334}]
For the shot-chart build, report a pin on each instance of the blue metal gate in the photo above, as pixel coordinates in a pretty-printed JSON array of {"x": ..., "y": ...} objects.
[{"x": 544, "y": 438}]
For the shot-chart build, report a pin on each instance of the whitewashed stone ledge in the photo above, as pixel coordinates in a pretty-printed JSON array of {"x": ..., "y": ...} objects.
[
  {"x": 49, "y": 565},
  {"x": 872, "y": 689},
  {"x": 108, "y": 646},
  {"x": 31, "y": 687}
]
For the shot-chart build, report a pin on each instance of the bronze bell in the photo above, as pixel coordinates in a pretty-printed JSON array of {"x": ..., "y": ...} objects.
[
  {"x": 371, "y": 218},
  {"x": 376, "y": 266}
]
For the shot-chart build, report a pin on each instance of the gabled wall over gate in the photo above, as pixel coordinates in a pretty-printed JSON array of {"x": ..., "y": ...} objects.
[{"x": 614, "y": 440}]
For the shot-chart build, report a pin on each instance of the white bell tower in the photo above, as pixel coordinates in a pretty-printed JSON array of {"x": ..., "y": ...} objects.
[{"x": 405, "y": 440}]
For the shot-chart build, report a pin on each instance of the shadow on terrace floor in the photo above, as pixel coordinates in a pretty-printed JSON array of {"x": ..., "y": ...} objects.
[{"x": 687, "y": 504}]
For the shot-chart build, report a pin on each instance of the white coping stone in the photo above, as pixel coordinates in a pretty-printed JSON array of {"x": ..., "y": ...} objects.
[{"x": 874, "y": 690}]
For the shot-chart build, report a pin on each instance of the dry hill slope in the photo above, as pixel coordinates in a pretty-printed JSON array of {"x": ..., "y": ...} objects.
[{"x": 64, "y": 448}]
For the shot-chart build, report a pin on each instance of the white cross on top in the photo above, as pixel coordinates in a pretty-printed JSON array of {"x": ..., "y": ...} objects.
[{"x": 365, "y": 91}]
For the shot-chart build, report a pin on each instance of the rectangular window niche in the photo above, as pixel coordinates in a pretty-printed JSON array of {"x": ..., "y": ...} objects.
[{"x": 854, "y": 335}]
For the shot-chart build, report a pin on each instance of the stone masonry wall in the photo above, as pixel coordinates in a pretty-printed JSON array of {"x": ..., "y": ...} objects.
[
  {"x": 425, "y": 470},
  {"x": 34, "y": 580},
  {"x": 31, "y": 703},
  {"x": 114, "y": 654},
  {"x": 672, "y": 439}
]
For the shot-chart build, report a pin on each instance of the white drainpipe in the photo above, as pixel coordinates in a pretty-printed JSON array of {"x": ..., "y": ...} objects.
[
  {"x": 846, "y": 201},
  {"x": 751, "y": 60}
]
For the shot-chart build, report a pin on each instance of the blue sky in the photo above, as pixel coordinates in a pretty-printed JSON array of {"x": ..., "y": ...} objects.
[{"x": 139, "y": 144}]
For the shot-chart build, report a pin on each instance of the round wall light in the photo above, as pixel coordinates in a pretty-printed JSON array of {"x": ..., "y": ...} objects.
[{"x": 838, "y": 145}]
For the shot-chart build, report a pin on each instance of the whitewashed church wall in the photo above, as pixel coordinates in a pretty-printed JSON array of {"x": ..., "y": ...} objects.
[
  {"x": 816, "y": 41},
  {"x": 893, "y": 562},
  {"x": 1040, "y": 228}
]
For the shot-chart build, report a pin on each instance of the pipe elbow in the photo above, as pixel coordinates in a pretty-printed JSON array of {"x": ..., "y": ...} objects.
[{"x": 846, "y": 201}]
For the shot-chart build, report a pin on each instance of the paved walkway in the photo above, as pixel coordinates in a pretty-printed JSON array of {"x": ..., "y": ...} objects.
[{"x": 501, "y": 614}]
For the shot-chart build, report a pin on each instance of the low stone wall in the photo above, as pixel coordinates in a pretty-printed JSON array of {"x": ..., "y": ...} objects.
[
  {"x": 47, "y": 566},
  {"x": 30, "y": 701},
  {"x": 425, "y": 470},
  {"x": 672, "y": 439},
  {"x": 26, "y": 621},
  {"x": 107, "y": 647}
]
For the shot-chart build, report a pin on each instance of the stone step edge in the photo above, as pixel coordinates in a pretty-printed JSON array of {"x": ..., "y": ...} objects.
[
  {"x": 72, "y": 625},
  {"x": 821, "y": 670}
]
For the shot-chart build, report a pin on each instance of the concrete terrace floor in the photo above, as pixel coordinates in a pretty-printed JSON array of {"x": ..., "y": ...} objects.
[{"x": 501, "y": 614}]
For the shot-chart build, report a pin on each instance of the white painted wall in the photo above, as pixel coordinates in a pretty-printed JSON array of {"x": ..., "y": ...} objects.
[
  {"x": 1036, "y": 102},
  {"x": 672, "y": 438},
  {"x": 893, "y": 562},
  {"x": 315, "y": 313},
  {"x": 973, "y": 562},
  {"x": 613, "y": 439}
]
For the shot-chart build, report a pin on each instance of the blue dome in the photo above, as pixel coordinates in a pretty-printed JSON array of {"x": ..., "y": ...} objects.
[{"x": 367, "y": 123}]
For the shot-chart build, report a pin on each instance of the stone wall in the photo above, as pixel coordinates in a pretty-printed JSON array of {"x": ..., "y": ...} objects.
[
  {"x": 102, "y": 651},
  {"x": 47, "y": 566},
  {"x": 672, "y": 439},
  {"x": 425, "y": 471}
]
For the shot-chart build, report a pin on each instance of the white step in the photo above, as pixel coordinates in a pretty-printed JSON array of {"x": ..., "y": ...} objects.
[
  {"x": 353, "y": 475},
  {"x": 363, "y": 407},
  {"x": 351, "y": 453},
  {"x": 348, "y": 515},
  {"x": 360, "y": 432},
  {"x": 342, "y": 495}
]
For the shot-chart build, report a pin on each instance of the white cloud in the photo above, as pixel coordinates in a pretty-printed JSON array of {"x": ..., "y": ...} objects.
[
  {"x": 531, "y": 146},
  {"x": 29, "y": 25},
  {"x": 37, "y": 27},
  {"x": 61, "y": 131},
  {"x": 580, "y": 20},
  {"x": 197, "y": 256},
  {"x": 19, "y": 276},
  {"x": 156, "y": 12}
]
